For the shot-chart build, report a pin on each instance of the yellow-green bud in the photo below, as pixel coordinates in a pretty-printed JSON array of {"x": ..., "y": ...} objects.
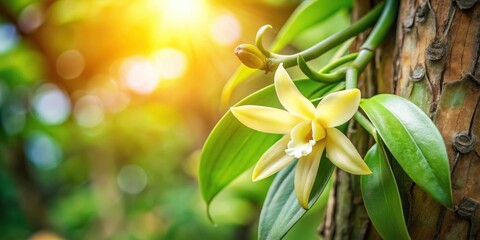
[{"x": 250, "y": 56}]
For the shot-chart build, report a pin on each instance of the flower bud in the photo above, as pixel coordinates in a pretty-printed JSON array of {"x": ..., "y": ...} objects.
[{"x": 250, "y": 56}]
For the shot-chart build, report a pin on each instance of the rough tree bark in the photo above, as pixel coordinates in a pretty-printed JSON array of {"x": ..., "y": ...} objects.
[{"x": 432, "y": 57}]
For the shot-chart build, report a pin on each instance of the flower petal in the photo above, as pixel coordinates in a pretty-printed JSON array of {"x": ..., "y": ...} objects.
[
  {"x": 290, "y": 97},
  {"x": 343, "y": 154},
  {"x": 266, "y": 119},
  {"x": 301, "y": 133},
  {"x": 273, "y": 160},
  {"x": 338, "y": 107},
  {"x": 306, "y": 173},
  {"x": 318, "y": 130}
]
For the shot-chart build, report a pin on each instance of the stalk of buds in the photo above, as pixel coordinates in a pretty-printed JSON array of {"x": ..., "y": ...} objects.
[{"x": 251, "y": 56}]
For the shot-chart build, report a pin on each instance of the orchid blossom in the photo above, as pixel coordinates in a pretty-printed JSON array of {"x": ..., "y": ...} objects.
[{"x": 309, "y": 131}]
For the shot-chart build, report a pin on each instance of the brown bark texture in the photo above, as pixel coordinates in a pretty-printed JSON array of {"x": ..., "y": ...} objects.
[{"x": 432, "y": 58}]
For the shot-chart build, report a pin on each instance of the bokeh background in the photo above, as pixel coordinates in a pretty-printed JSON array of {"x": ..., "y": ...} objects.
[{"x": 104, "y": 106}]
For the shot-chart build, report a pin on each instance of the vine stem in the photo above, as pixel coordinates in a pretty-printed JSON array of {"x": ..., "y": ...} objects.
[
  {"x": 339, "y": 62},
  {"x": 376, "y": 36},
  {"x": 366, "y": 124},
  {"x": 351, "y": 78},
  {"x": 320, "y": 48}
]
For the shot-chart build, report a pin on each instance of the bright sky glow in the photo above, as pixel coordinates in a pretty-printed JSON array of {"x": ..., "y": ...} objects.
[
  {"x": 170, "y": 63},
  {"x": 140, "y": 75},
  {"x": 226, "y": 29},
  {"x": 51, "y": 105},
  {"x": 182, "y": 12}
]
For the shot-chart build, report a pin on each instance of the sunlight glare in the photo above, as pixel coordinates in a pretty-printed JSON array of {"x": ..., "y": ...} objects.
[
  {"x": 183, "y": 11},
  {"x": 226, "y": 29},
  {"x": 51, "y": 105},
  {"x": 170, "y": 63},
  {"x": 140, "y": 75}
]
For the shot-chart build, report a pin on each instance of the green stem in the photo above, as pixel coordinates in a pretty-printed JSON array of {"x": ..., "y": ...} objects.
[
  {"x": 320, "y": 48},
  {"x": 366, "y": 124},
  {"x": 329, "y": 67},
  {"x": 351, "y": 78},
  {"x": 376, "y": 36},
  {"x": 380, "y": 31},
  {"x": 343, "y": 49},
  {"x": 320, "y": 76},
  {"x": 324, "y": 75}
]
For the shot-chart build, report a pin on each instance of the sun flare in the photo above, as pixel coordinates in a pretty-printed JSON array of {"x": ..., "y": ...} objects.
[{"x": 183, "y": 12}]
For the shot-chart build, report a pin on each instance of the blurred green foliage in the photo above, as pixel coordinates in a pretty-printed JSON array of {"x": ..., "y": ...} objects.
[{"x": 83, "y": 155}]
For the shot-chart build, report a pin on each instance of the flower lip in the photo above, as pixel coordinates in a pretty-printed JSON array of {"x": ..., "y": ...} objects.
[{"x": 300, "y": 150}]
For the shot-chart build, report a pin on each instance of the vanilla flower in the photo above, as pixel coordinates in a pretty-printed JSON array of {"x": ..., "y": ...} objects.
[{"x": 308, "y": 132}]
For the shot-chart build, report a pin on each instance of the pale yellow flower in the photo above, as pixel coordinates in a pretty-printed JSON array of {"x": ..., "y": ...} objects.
[{"x": 308, "y": 132}]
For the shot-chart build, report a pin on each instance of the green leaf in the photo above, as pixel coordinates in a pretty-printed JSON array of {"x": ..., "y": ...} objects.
[
  {"x": 281, "y": 209},
  {"x": 232, "y": 148},
  {"x": 414, "y": 141},
  {"x": 240, "y": 75},
  {"x": 308, "y": 14},
  {"x": 381, "y": 197}
]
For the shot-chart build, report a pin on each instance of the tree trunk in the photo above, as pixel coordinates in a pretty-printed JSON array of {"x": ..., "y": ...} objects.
[{"x": 432, "y": 58}]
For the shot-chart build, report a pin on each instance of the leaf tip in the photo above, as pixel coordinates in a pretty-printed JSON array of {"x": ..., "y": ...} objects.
[
  {"x": 209, "y": 215},
  {"x": 448, "y": 201}
]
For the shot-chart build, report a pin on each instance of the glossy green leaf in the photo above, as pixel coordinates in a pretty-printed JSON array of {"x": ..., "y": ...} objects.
[
  {"x": 414, "y": 141},
  {"x": 240, "y": 75},
  {"x": 381, "y": 197},
  {"x": 308, "y": 14},
  {"x": 281, "y": 209},
  {"x": 232, "y": 148}
]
